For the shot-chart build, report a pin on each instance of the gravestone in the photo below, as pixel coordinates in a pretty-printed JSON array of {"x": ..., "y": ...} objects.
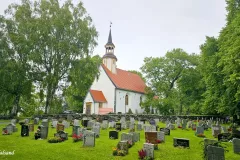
[
  {"x": 127, "y": 137},
  {"x": 161, "y": 136},
  {"x": 224, "y": 137},
  {"x": 44, "y": 132},
  {"x": 149, "y": 149},
  {"x": 113, "y": 134},
  {"x": 62, "y": 135},
  {"x": 90, "y": 124},
  {"x": 105, "y": 124},
  {"x": 194, "y": 127},
  {"x": 200, "y": 130},
  {"x": 96, "y": 130},
  {"x": 147, "y": 128},
  {"x": 54, "y": 123},
  {"x": 75, "y": 130},
  {"x": 85, "y": 123},
  {"x": 31, "y": 127},
  {"x": 184, "y": 124},
  {"x": 153, "y": 128},
  {"x": 139, "y": 127},
  {"x": 76, "y": 122},
  {"x": 69, "y": 117},
  {"x": 215, "y": 153},
  {"x": 118, "y": 126},
  {"x": 26, "y": 121},
  {"x": 45, "y": 122},
  {"x": 36, "y": 121},
  {"x": 111, "y": 124},
  {"x": 216, "y": 130},
  {"x": 165, "y": 130},
  {"x": 156, "y": 121},
  {"x": 181, "y": 142},
  {"x": 81, "y": 131},
  {"x": 224, "y": 129},
  {"x": 236, "y": 145},
  {"x": 60, "y": 127},
  {"x": 88, "y": 139},
  {"x": 151, "y": 137},
  {"x": 13, "y": 121},
  {"x": 128, "y": 124},
  {"x": 122, "y": 145},
  {"x": 152, "y": 122},
  {"x": 190, "y": 124},
  {"x": 24, "y": 130},
  {"x": 66, "y": 124},
  {"x": 209, "y": 142},
  {"x": 136, "y": 136},
  {"x": 132, "y": 127}
]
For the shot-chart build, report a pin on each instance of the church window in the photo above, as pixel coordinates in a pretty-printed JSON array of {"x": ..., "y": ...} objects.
[{"x": 126, "y": 100}]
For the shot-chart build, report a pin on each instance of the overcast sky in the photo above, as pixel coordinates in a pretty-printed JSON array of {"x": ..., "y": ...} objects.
[{"x": 144, "y": 28}]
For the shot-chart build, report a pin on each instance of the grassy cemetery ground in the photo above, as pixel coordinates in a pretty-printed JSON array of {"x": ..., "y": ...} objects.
[{"x": 27, "y": 148}]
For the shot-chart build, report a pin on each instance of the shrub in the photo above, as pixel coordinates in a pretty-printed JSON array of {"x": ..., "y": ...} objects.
[{"x": 55, "y": 140}]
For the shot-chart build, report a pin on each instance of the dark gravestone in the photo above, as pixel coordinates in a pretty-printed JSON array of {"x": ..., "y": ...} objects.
[
  {"x": 180, "y": 142},
  {"x": 152, "y": 122},
  {"x": 118, "y": 126},
  {"x": 113, "y": 134},
  {"x": 165, "y": 130},
  {"x": 62, "y": 135},
  {"x": 24, "y": 130},
  {"x": 225, "y": 137},
  {"x": 215, "y": 153},
  {"x": 85, "y": 123}
]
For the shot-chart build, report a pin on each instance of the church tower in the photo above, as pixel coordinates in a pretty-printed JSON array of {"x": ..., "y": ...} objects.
[{"x": 109, "y": 59}]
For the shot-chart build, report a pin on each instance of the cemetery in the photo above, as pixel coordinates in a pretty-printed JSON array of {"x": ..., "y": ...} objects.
[{"x": 120, "y": 137}]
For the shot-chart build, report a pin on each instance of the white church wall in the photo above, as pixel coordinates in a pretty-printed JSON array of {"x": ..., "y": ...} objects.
[
  {"x": 105, "y": 85},
  {"x": 88, "y": 98},
  {"x": 133, "y": 101}
]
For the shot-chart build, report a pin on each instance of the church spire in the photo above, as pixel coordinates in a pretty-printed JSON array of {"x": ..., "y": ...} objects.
[{"x": 109, "y": 59}]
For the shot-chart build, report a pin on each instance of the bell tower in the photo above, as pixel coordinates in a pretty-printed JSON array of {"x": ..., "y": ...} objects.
[{"x": 109, "y": 59}]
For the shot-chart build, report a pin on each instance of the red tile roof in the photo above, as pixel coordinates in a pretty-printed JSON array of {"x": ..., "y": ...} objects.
[
  {"x": 126, "y": 80},
  {"x": 98, "y": 96}
]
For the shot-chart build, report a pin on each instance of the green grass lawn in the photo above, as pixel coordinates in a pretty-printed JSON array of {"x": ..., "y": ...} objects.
[{"x": 27, "y": 148}]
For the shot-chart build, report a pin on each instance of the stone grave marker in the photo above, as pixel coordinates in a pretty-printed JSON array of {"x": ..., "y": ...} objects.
[
  {"x": 126, "y": 137},
  {"x": 13, "y": 121},
  {"x": 75, "y": 130},
  {"x": 113, "y": 134},
  {"x": 215, "y": 153},
  {"x": 61, "y": 134},
  {"x": 111, "y": 124},
  {"x": 24, "y": 130},
  {"x": 76, "y": 122},
  {"x": 139, "y": 127},
  {"x": 88, "y": 139},
  {"x": 149, "y": 149},
  {"x": 54, "y": 123},
  {"x": 184, "y": 124},
  {"x": 45, "y": 122},
  {"x": 81, "y": 131},
  {"x": 151, "y": 137},
  {"x": 90, "y": 124},
  {"x": 136, "y": 136},
  {"x": 96, "y": 130},
  {"x": 132, "y": 127},
  {"x": 132, "y": 120},
  {"x": 194, "y": 126},
  {"x": 200, "y": 130},
  {"x": 118, "y": 126},
  {"x": 69, "y": 117},
  {"x": 236, "y": 145},
  {"x": 85, "y": 123},
  {"x": 165, "y": 130},
  {"x": 122, "y": 145},
  {"x": 60, "y": 127},
  {"x": 181, "y": 142},
  {"x": 224, "y": 129},
  {"x": 128, "y": 124},
  {"x": 190, "y": 124},
  {"x": 153, "y": 128},
  {"x": 31, "y": 127},
  {"x": 161, "y": 136},
  {"x": 156, "y": 121},
  {"x": 216, "y": 130},
  {"x": 105, "y": 124},
  {"x": 26, "y": 121},
  {"x": 152, "y": 122},
  {"x": 44, "y": 132},
  {"x": 9, "y": 128},
  {"x": 66, "y": 124}
]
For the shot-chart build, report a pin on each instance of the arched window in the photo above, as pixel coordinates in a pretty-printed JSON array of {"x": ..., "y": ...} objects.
[
  {"x": 140, "y": 99},
  {"x": 126, "y": 100}
]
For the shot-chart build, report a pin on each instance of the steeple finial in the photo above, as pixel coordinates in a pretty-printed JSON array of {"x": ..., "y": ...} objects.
[{"x": 110, "y": 35}]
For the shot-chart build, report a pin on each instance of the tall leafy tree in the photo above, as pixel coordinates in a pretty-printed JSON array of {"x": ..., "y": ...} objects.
[
  {"x": 162, "y": 75},
  {"x": 81, "y": 77},
  {"x": 53, "y": 36}
]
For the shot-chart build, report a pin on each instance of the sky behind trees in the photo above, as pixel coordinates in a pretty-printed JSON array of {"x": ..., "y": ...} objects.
[{"x": 151, "y": 28}]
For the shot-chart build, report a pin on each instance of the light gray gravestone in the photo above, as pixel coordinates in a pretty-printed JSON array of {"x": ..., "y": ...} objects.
[
  {"x": 161, "y": 136},
  {"x": 89, "y": 139},
  {"x": 149, "y": 149}
]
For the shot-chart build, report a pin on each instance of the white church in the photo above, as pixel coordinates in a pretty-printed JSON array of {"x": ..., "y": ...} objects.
[{"x": 115, "y": 90}]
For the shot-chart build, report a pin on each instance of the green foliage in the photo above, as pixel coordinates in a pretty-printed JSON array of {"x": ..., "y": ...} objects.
[{"x": 81, "y": 77}]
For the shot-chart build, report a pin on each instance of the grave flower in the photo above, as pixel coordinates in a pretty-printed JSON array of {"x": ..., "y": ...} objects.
[
  {"x": 200, "y": 135},
  {"x": 158, "y": 141},
  {"x": 141, "y": 154},
  {"x": 115, "y": 151},
  {"x": 155, "y": 146},
  {"x": 77, "y": 138},
  {"x": 179, "y": 126}
]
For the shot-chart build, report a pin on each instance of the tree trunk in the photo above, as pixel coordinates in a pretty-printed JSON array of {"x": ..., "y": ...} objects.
[{"x": 16, "y": 106}]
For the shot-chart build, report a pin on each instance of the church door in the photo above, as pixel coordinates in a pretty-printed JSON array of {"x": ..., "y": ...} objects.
[{"x": 88, "y": 108}]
